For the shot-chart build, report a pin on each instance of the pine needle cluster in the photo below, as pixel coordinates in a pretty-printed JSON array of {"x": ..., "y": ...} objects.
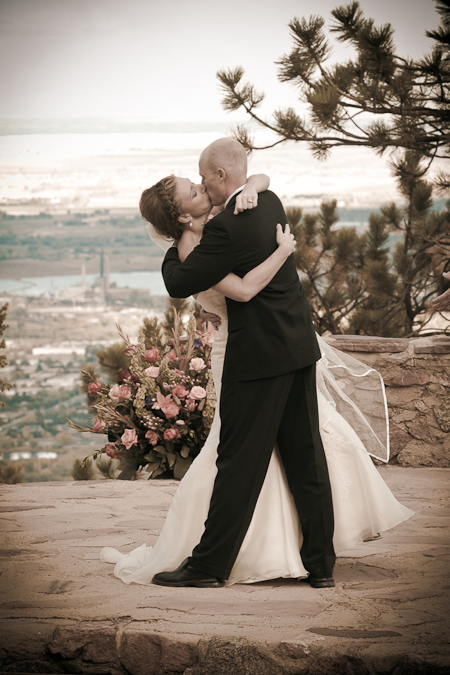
[{"x": 377, "y": 99}]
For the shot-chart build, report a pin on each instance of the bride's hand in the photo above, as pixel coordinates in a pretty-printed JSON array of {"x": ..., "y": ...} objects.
[
  {"x": 247, "y": 199},
  {"x": 285, "y": 240},
  {"x": 211, "y": 318}
]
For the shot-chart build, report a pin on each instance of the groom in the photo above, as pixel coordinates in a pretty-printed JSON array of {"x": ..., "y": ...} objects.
[{"x": 268, "y": 392}]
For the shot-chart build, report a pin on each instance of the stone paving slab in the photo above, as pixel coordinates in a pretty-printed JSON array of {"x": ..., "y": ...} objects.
[{"x": 62, "y": 610}]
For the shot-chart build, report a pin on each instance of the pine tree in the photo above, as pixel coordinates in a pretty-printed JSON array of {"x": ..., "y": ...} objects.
[
  {"x": 424, "y": 247},
  {"x": 330, "y": 261},
  {"x": 393, "y": 105},
  {"x": 3, "y": 360},
  {"x": 359, "y": 284},
  {"x": 378, "y": 99}
]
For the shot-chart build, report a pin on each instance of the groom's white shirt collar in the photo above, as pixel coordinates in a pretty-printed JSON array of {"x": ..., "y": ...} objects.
[{"x": 235, "y": 193}]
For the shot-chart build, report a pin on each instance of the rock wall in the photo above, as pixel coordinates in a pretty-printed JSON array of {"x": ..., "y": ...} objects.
[{"x": 416, "y": 373}]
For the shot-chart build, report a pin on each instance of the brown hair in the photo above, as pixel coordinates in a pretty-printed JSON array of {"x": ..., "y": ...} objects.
[{"x": 160, "y": 207}]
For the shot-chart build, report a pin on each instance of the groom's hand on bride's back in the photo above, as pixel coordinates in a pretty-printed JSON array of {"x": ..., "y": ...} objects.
[{"x": 285, "y": 239}]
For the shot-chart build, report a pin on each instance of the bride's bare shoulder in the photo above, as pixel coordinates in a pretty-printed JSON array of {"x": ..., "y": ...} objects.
[{"x": 188, "y": 241}]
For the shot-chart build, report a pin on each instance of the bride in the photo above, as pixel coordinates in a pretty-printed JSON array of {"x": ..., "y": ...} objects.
[{"x": 363, "y": 504}]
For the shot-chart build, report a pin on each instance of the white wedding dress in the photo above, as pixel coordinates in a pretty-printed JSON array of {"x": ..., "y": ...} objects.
[{"x": 363, "y": 503}]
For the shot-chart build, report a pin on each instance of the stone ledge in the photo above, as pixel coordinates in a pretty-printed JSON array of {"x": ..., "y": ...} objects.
[
  {"x": 367, "y": 343},
  {"x": 434, "y": 348},
  {"x": 436, "y": 344},
  {"x": 408, "y": 378}
]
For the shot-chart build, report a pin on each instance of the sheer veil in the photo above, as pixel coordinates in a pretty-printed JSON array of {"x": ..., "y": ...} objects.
[
  {"x": 354, "y": 390},
  {"x": 163, "y": 242}
]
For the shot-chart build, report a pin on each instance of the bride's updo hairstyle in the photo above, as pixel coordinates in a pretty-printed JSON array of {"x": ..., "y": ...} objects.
[{"x": 159, "y": 206}]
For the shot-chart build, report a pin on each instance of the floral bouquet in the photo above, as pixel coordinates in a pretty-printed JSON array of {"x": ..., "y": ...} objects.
[{"x": 158, "y": 414}]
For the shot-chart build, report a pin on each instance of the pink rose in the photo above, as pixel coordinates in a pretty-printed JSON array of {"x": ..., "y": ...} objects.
[
  {"x": 152, "y": 437},
  {"x": 94, "y": 388},
  {"x": 197, "y": 364},
  {"x": 124, "y": 393},
  {"x": 152, "y": 371},
  {"x": 114, "y": 392},
  {"x": 99, "y": 426},
  {"x": 179, "y": 391},
  {"x": 129, "y": 438},
  {"x": 171, "y": 434},
  {"x": 131, "y": 350},
  {"x": 197, "y": 393},
  {"x": 170, "y": 410},
  {"x": 152, "y": 355},
  {"x": 118, "y": 393},
  {"x": 111, "y": 450},
  {"x": 172, "y": 355}
]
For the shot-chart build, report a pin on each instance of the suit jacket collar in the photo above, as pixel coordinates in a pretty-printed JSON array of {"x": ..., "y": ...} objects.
[{"x": 234, "y": 194}]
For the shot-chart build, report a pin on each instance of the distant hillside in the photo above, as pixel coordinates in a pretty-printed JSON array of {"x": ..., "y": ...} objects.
[
  {"x": 47, "y": 244},
  {"x": 56, "y": 244}
]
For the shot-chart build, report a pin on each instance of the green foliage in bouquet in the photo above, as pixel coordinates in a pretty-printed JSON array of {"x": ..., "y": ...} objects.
[
  {"x": 113, "y": 360},
  {"x": 158, "y": 412},
  {"x": 180, "y": 306}
]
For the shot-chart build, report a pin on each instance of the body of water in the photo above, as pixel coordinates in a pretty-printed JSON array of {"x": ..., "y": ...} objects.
[
  {"x": 55, "y": 166},
  {"x": 73, "y": 164},
  {"x": 36, "y": 286}
]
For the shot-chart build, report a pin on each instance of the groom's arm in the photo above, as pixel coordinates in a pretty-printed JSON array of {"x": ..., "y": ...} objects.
[{"x": 204, "y": 267}]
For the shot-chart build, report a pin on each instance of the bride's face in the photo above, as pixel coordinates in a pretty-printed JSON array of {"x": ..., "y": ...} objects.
[{"x": 193, "y": 198}]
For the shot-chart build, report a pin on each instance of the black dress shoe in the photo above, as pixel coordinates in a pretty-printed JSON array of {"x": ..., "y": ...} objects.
[
  {"x": 321, "y": 582},
  {"x": 185, "y": 575}
]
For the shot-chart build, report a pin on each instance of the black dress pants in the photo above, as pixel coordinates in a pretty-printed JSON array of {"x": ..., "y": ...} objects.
[{"x": 255, "y": 416}]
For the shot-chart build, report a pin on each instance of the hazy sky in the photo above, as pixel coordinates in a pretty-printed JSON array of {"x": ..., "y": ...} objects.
[{"x": 141, "y": 58}]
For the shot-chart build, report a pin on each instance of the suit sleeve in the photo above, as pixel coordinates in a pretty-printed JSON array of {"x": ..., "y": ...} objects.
[{"x": 204, "y": 267}]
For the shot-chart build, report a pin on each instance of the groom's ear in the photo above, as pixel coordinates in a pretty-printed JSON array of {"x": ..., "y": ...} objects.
[
  {"x": 221, "y": 175},
  {"x": 185, "y": 218}
]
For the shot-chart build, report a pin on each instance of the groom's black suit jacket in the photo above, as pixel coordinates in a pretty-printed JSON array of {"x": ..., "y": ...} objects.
[{"x": 272, "y": 334}]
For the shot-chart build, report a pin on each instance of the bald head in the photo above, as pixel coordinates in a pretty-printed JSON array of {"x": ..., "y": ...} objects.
[
  {"x": 223, "y": 167},
  {"x": 226, "y": 153}
]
